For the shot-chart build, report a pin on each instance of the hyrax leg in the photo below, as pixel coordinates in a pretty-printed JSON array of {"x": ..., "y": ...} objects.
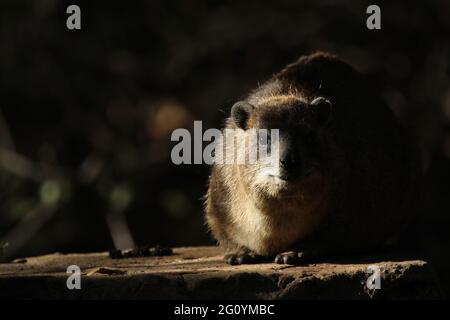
[{"x": 244, "y": 256}]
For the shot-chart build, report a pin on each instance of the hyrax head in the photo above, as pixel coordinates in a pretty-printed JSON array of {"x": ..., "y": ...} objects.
[{"x": 286, "y": 131}]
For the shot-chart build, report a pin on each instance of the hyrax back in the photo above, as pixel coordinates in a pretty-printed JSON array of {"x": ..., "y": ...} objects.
[{"x": 344, "y": 177}]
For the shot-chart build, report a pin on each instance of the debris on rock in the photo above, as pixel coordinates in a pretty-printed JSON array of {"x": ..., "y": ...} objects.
[
  {"x": 115, "y": 254},
  {"x": 141, "y": 251},
  {"x": 104, "y": 270},
  {"x": 20, "y": 260}
]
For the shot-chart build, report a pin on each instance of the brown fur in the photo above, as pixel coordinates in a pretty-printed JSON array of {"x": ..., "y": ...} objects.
[{"x": 358, "y": 199}]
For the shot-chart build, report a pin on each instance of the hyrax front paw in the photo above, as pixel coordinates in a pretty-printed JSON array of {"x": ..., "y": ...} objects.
[
  {"x": 243, "y": 258},
  {"x": 291, "y": 257}
]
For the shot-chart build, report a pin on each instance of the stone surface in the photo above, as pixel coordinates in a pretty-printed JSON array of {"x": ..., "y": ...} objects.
[{"x": 200, "y": 273}]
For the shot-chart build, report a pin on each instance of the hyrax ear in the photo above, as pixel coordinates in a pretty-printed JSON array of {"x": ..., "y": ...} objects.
[
  {"x": 240, "y": 112},
  {"x": 322, "y": 110}
]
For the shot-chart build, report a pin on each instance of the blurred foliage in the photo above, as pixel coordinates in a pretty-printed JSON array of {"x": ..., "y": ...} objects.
[
  {"x": 121, "y": 196},
  {"x": 86, "y": 116}
]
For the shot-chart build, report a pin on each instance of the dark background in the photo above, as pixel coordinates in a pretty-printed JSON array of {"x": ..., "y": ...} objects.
[{"x": 86, "y": 116}]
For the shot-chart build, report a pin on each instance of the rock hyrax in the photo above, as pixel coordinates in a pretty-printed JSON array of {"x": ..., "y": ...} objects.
[{"x": 345, "y": 175}]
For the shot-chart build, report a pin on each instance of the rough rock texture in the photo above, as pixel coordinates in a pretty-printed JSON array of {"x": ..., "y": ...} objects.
[{"x": 199, "y": 273}]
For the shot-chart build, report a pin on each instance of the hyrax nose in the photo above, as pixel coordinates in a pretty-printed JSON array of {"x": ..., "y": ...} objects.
[{"x": 290, "y": 165}]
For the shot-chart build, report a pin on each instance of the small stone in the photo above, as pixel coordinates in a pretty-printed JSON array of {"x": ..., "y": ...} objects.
[
  {"x": 21, "y": 260},
  {"x": 104, "y": 270},
  {"x": 141, "y": 251},
  {"x": 160, "y": 251},
  {"x": 115, "y": 254}
]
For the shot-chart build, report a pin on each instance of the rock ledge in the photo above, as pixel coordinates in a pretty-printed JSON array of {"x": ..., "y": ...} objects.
[{"x": 199, "y": 273}]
